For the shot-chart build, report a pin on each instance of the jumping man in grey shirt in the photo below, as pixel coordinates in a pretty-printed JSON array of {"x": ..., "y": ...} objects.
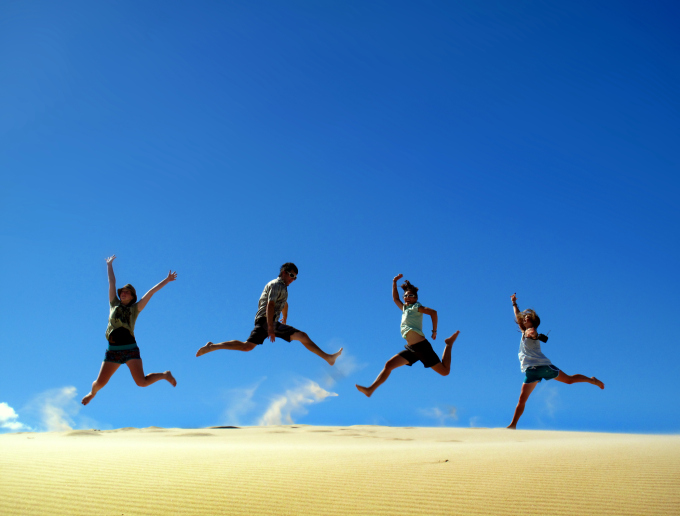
[{"x": 273, "y": 304}]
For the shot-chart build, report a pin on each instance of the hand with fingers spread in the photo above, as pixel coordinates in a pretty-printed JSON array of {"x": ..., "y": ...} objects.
[
  {"x": 172, "y": 276},
  {"x": 110, "y": 259}
]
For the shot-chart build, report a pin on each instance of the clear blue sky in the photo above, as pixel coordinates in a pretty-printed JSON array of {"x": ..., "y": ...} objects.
[{"x": 477, "y": 147}]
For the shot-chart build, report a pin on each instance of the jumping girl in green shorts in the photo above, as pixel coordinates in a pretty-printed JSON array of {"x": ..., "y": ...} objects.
[
  {"x": 120, "y": 334},
  {"x": 534, "y": 363}
]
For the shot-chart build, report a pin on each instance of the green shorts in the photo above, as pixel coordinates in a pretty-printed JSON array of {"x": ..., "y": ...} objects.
[{"x": 541, "y": 372}]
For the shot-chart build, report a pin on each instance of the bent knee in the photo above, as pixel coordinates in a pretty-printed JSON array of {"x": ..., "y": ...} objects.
[
  {"x": 141, "y": 382},
  {"x": 249, "y": 346}
]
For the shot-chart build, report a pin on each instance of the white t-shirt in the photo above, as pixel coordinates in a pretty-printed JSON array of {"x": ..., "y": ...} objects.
[{"x": 530, "y": 353}]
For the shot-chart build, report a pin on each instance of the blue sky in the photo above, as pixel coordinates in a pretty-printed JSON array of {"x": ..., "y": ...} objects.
[{"x": 479, "y": 148}]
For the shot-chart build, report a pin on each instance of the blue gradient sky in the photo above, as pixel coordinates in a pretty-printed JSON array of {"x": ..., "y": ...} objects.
[{"x": 478, "y": 148}]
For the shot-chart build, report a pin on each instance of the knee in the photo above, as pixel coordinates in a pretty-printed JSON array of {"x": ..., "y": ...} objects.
[
  {"x": 302, "y": 336},
  {"x": 249, "y": 346},
  {"x": 444, "y": 372},
  {"x": 99, "y": 383},
  {"x": 141, "y": 382}
]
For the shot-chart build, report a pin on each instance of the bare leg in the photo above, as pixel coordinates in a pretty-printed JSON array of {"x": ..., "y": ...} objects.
[
  {"x": 236, "y": 345},
  {"x": 137, "y": 370},
  {"x": 390, "y": 365},
  {"x": 444, "y": 367},
  {"x": 309, "y": 344},
  {"x": 527, "y": 389},
  {"x": 578, "y": 378},
  {"x": 105, "y": 374}
]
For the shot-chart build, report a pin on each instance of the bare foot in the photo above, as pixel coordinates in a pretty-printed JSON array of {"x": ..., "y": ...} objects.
[
  {"x": 451, "y": 339},
  {"x": 331, "y": 360},
  {"x": 597, "y": 382},
  {"x": 205, "y": 349},
  {"x": 87, "y": 399},
  {"x": 511, "y": 427},
  {"x": 170, "y": 378},
  {"x": 363, "y": 389}
]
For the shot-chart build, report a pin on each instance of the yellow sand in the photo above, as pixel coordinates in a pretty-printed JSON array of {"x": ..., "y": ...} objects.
[{"x": 306, "y": 470}]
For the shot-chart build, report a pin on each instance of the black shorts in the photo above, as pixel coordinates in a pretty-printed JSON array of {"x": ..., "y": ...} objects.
[
  {"x": 259, "y": 334},
  {"x": 420, "y": 351}
]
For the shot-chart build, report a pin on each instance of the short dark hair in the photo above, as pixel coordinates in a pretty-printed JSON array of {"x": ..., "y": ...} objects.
[
  {"x": 410, "y": 288},
  {"x": 288, "y": 267}
]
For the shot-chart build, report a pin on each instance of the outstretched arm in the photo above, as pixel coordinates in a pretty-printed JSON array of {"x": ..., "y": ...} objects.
[
  {"x": 518, "y": 318},
  {"x": 432, "y": 313},
  {"x": 172, "y": 276},
  {"x": 395, "y": 292},
  {"x": 112, "y": 278}
]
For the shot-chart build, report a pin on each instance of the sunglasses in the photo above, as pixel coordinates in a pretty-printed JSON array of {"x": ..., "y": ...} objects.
[
  {"x": 291, "y": 274},
  {"x": 409, "y": 295}
]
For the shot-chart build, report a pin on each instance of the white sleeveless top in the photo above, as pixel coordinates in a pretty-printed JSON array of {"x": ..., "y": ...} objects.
[{"x": 530, "y": 353}]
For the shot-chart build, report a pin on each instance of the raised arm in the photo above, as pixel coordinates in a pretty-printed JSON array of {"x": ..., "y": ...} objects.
[
  {"x": 395, "y": 292},
  {"x": 112, "y": 278},
  {"x": 518, "y": 318},
  {"x": 172, "y": 276},
  {"x": 432, "y": 313}
]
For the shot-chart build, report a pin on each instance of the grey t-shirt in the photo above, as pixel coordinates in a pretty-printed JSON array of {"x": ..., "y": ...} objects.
[
  {"x": 276, "y": 291},
  {"x": 530, "y": 353}
]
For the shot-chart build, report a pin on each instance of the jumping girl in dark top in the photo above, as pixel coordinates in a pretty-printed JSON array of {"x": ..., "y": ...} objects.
[
  {"x": 534, "y": 363},
  {"x": 120, "y": 333},
  {"x": 417, "y": 346}
]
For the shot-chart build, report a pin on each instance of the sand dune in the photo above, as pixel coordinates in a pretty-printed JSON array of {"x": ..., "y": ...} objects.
[{"x": 337, "y": 470}]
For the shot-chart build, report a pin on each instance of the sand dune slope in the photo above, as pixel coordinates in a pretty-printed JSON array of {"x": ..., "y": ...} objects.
[{"x": 338, "y": 470}]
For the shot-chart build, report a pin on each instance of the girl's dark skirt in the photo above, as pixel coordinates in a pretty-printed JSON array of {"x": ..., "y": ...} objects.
[{"x": 121, "y": 354}]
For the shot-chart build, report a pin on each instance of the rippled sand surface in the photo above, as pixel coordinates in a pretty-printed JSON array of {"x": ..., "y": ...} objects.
[{"x": 306, "y": 470}]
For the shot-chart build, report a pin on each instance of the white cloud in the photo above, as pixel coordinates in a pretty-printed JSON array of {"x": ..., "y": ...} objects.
[
  {"x": 53, "y": 410},
  {"x": 345, "y": 365},
  {"x": 282, "y": 408},
  {"x": 241, "y": 402},
  {"x": 474, "y": 421},
  {"x": 9, "y": 419},
  {"x": 441, "y": 414},
  {"x": 56, "y": 408},
  {"x": 550, "y": 397}
]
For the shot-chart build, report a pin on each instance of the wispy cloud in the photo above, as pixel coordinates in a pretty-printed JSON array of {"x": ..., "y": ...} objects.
[
  {"x": 293, "y": 402},
  {"x": 549, "y": 395},
  {"x": 441, "y": 414},
  {"x": 344, "y": 366},
  {"x": 240, "y": 403},
  {"x": 55, "y": 409},
  {"x": 474, "y": 421},
  {"x": 9, "y": 419}
]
